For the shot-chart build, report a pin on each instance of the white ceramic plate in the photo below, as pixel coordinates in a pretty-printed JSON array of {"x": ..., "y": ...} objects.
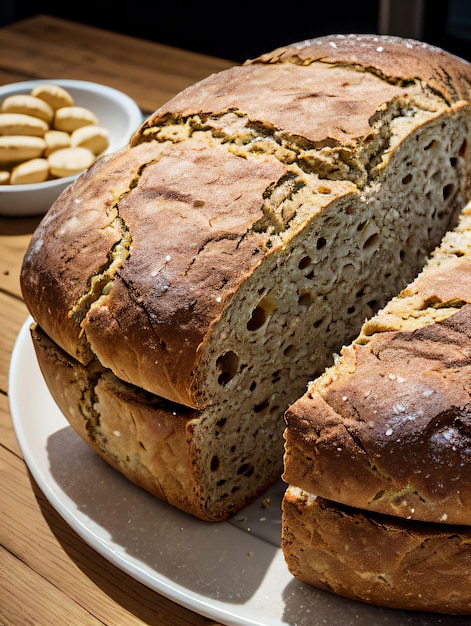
[{"x": 232, "y": 572}]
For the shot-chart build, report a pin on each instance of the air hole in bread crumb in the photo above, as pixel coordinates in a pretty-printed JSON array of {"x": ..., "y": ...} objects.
[
  {"x": 448, "y": 191},
  {"x": 246, "y": 469},
  {"x": 290, "y": 350},
  {"x": 304, "y": 262},
  {"x": 371, "y": 241},
  {"x": 463, "y": 147},
  {"x": 321, "y": 242},
  {"x": 228, "y": 364},
  {"x": 407, "y": 179},
  {"x": 260, "y": 314},
  {"x": 432, "y": 144},
  {"x": 214, "y": 464},
  {"x": 436, "y": 178},
  {"x": 305, "y": 300},
  {"x": 258, "y": 408}
]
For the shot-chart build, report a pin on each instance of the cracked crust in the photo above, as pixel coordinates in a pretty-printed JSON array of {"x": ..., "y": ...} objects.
[
  {"x": 153, "y": 244},
  {"x": 398, "y": 61}
]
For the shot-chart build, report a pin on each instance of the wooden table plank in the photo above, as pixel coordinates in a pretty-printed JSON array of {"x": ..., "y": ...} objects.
[
  {"x": 62, "y": 560},
  {"x": 14, "y": 238},
  {"x": 150, "y": 73},
  {"x": 7, "y": 434},
  {"x": 13, "y": 313},
  {"x": 51, "y": 605}
]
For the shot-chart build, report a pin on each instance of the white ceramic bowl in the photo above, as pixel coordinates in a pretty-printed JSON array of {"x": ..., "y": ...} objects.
[{"x": 116, "y": 111}]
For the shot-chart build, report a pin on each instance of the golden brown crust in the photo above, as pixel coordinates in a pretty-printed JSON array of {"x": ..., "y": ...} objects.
[
  {"x": 180, "y": 287},
  {"x": 392, "y": 433},
  {"x": 398, "y": 60},
  {"x": 72, "y": 244},
  {"x": 287, "y": 80},
  {"x": 377, "y": 559},
  {"x": 299, "y": 100},
  {"x": 148, "y": 326}
]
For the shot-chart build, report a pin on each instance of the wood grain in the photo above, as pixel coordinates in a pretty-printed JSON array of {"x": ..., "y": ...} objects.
[
  {"x": 48, "y": 575},
  {"x": 150, "y": 73}
]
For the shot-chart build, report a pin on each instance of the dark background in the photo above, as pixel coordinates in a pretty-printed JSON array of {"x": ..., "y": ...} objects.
[{"x": 244, "y": 29}]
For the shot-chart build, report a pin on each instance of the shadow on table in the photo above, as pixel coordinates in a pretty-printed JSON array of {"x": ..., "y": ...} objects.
[{"x": 217, "y": 560}]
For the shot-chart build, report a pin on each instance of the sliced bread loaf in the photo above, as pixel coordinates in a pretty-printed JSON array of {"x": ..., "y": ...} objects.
[{"x": 251, "y": 226}]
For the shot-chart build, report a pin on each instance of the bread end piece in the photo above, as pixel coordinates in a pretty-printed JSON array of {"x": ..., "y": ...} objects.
[{"x": 376, "y": 559}]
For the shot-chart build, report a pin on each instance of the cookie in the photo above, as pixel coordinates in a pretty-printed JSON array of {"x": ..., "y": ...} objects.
[
  {"x": 4, "y": 177},
  {"x": 17, "y": 148},
  {"x": 33, "y": 171},
  {"x": 95, "y": 138},
  {"x": 28, "y": 105},
  {"x": 55, "y": 96},
  {"x": 69, "y": 119},
  {"x": 70, "y": 161},
  {"x": 56, "y": 140},
  {"x": 21, "y": 124}
]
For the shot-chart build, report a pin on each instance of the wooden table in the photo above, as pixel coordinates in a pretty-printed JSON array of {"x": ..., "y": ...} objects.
[{"x": 48, "y": 575}]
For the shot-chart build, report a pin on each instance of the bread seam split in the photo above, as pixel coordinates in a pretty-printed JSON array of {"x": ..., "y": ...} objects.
[{"x": 328, "y": 158}]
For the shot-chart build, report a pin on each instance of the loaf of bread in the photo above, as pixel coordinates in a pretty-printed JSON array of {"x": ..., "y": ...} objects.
[
  {"x": 387, "y": 430},
  {"x": 186, "y": 289}
]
